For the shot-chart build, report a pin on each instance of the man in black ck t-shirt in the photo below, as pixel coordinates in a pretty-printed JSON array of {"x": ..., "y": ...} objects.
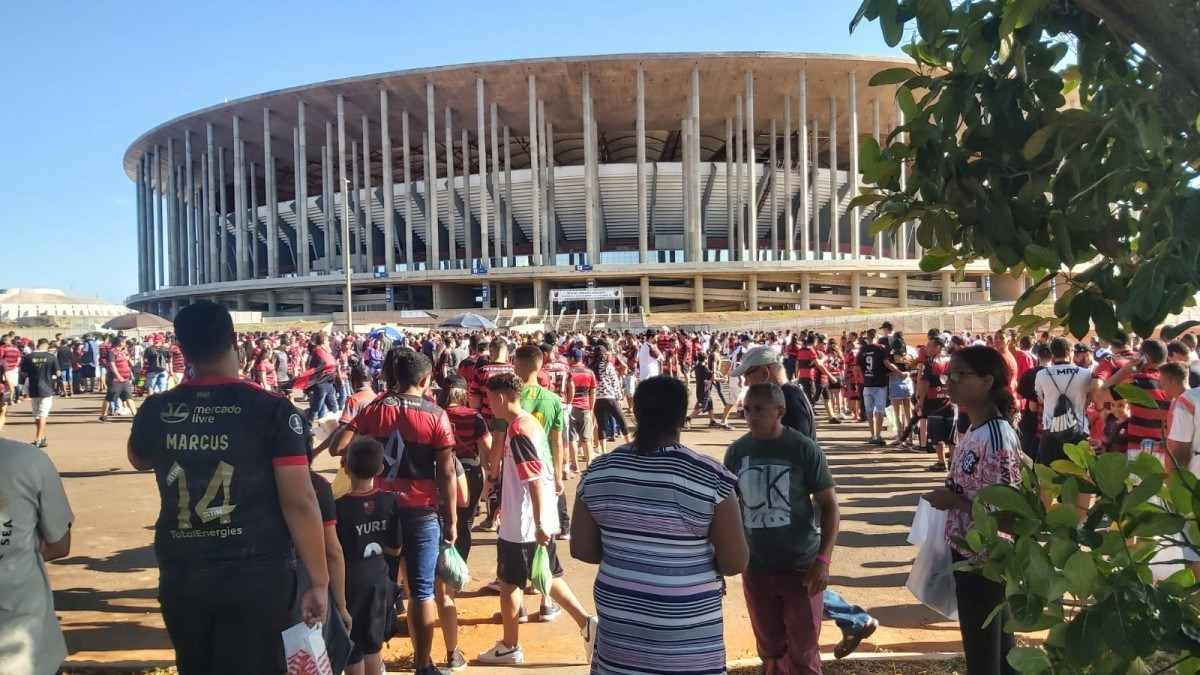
[
  {"x": 872, "y": 358},
  {"x": 237, "y": 505}
]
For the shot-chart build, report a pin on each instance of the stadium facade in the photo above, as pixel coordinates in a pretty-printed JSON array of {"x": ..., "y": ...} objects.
[{"x": 694, "y": 182}]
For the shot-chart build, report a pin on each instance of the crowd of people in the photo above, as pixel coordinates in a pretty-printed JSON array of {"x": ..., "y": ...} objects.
[{"x": 442, "y": 434}]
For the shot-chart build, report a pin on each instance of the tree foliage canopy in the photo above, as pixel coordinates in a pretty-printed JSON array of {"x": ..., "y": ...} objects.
[{"x": 1049, "y": 136}]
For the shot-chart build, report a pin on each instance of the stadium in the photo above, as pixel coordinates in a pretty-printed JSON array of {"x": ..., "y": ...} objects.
[{"x": 645, "y": 182}]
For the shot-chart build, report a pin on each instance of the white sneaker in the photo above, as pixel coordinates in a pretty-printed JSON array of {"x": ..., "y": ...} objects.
[
  {"x": 590, "y": 631},
  {"x": 502, "y": 655}
]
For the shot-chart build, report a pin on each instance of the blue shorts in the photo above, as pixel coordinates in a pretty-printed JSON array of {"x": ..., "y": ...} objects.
[
  {"x": 900, "y": 389},
  {"x": 875, "y": 400},
  {"x": 65, "y": 375},
  {"x": 422, "y": 534}
]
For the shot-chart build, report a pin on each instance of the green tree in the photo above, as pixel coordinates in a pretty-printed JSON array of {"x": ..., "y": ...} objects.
[{"x": 1047, "y": 136}]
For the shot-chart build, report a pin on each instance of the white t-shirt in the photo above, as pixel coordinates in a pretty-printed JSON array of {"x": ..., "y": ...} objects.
[
  {"x": 1185, "y": 427},
  {"x": 1069, "y": 379},
  {"x": 33, "y": 508},
  {"x": 527, "y": 461},
  {"x": 648, "y": 365}
]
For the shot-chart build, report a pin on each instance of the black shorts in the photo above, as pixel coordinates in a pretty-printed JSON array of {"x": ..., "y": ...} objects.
[
  {"x": 514, "y": 560},
  {"x": 812, "y": 388},
  {"x": 369, "y": 594},
  {"x": 228, "y": 618},
  {"x": 87, "y": 372},
  {"x": 121, "y": 390}
]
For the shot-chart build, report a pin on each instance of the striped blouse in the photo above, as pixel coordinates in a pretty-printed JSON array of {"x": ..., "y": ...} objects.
[{"x": 658, "y": 592}]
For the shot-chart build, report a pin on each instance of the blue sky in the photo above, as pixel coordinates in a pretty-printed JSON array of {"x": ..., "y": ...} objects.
[{"x": 83, "y": 79}]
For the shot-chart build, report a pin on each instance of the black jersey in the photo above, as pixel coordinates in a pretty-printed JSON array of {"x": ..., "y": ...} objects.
[
  {"x": 325, "y": 502},
  {"x": 214, "y": 444},
  {"x": 367, "y": 524}
]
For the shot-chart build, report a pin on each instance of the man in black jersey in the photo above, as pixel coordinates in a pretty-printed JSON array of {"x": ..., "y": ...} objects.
[{"x": 237, "y": 506}]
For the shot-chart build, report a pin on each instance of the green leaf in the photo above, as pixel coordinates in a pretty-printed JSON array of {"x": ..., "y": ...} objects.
[
  {"x": 1037, "y": 142},
  {"x": 908, "y": 105},
  {"x": 1135, "y": 395},
  {"x": 889, "y": 22},
  {"x": 1104, "y": 318},
  {"x": 1079, "y": 319},
  {"x": 1085, "y": 639},
  {"x": 1007, "y": 498},
  {"x": 1110, "y": 472},
  {"x": 1062, "y": 516},
  {"x": 1178, "y": 484},
  {"x": 1032, "y": 297},
  {"x": 936, "y": 260},
  {"x": 1028, "y": 660},
  {"x": 883, "y": 223},
  {"x": 1172, "y": 332},
  {"x": 1081, "y": 574},
  {"x": 1157, "y": 524},
  {"x": 1041, "y": 257},
  {"x": 866, "y": 199},
  {"x": 868, "y": 6},
  {"x": 1142, "y": 492},
  {"x": 1069, "y": 468},
  {"x": 1080, "y": 453},
  {"x": 891, "y": 76}
]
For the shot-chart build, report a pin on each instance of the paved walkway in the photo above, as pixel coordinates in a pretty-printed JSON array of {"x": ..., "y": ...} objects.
[{"x": 105, "y": 591}]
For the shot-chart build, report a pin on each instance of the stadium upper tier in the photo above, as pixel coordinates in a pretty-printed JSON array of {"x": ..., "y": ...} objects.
[{"x": 631, "y": 160}]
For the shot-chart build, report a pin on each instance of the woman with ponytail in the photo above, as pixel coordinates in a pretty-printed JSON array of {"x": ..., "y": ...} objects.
[{"x": 989, "y": 453}]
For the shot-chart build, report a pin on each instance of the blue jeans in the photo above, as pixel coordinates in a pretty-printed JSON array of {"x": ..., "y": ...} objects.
[
  {"x": 321, "y": 399},
  {"x": 156, "y": 382},
  {"x": 341, "y": 393},
  {"x": 849, "y": 618},
  {"x": 422, "y": 533}
]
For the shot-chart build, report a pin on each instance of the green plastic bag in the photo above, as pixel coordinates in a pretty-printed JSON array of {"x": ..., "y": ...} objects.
[
  {"x": 539, "y": 572},
  {"x": 452, "y": 569}
]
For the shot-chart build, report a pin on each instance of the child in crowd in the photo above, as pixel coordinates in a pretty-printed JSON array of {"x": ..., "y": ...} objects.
[{"x": 368, "y": 526}]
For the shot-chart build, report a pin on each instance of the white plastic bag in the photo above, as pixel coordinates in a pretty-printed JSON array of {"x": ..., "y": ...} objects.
[
  {"x": 932, "y": 577},
  {"x": 304, "y": 649}
]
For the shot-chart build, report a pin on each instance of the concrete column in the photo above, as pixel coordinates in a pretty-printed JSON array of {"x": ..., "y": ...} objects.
[
  {"x": 947, "y": 289},
  {"x": 408, "y": 195},
  {"x": 202, "y": 223},
  {"x": 834, "y": 217},
  {"x": 738, "y": 155},
  {"x": 302, "y": 250},
  {"x": 551, "y": 175},
  {"x": 222, "y": 221},
  {"x": 328, "y": 180},
  {"x": 535, "y": 257},
  {"x": 171, "y": 238},
  {"x": 774, "y": 197},
  {"x": 272, "y": 303},
  {"x": 297, "y": 174},
  {"x": 252, "y": 233},
  {"x": 437, "y": 293},
  {"x": 239, "y": 201},
  {"x": 501, "y": 208},
  {"x": 367, "y": 203},
  {"x": 902, "y": 232},
  {"x": 140, "y": 188},
  {"x": 805, "y": 291},
  {"x": 698, "y": 240},
  {"x": 685, "y": 176},
  {"x": 210, "y": 238},
  {"x": 789, "y": 227},
  {"x": 307, "y": 295},
  {"x": 751, "y": 171},
  {"x": 468, "y": 236},
  {"x": 189, "y": 220},
  {"x": 484, "y": 192},
  {"x": 643, "y": 216},
  {"x": 589, "y": 160},
  {"x": 341, "y": 180},
  {"x": 752, "y": 293},
  {"x": 729, "y": 218},
  {"x": 272, "y": 199},
  {"x": 698, "y": 293},
  {"x": 856, "y": 289},
  {"x": 902, "y": 289},
  {"x": 433, "y": 246},
  {"x": 875, "y": 135},
  {"x": 356, "y": 226},
  {"x": 544, "y": 186},
  {"x": 389, "y": 212},
  {"x": 241, "y": 302},
  {"x": 855, "y": 223},
  {"x": 509, "y": 218},
  {"x": 155, "y": 231},
  {"x": 814, "y": 213},
  {"x": 451, "y": 215},
  {"x": 539, "y": 295},
  {"x": 802, "y": 214},
  {"x": 644, "y": 294}
]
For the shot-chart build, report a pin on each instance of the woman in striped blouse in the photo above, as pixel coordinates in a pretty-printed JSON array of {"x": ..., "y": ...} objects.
[{"x": 663, "y": 523}]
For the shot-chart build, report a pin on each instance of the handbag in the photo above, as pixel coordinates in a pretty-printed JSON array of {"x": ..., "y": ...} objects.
[{"x": 932, "y": 577}]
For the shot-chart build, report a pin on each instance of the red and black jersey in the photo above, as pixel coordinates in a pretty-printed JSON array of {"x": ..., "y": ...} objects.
[
  {"x": 412, "y": 430},
  {"x": 119, "y": 367},
  {"x": 178, "y": 363},
  {"x": 104, "y": 351},
  {"x": 366, "y": 524},
  {"x": 806, "y": 363},
  {"x": 1146, "y": 423},
  {"x": 214, "y": 443},
  {"x": 11, "y": 356},
  {"x": 935, "y": 375},
  {"x": 468, "y": 427},
  {"x": 1112, "y": 363},
  {"x": 585, "y": 383},
  {"x": 666, "y": 343},
  {"x": 466, "y": 369},
  {"x": 484, "y": 373},
  {"x": 557, "y": 374}
]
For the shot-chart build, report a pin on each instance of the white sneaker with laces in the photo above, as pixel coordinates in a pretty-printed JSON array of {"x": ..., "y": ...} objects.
[{"x": 503, "y": 655}]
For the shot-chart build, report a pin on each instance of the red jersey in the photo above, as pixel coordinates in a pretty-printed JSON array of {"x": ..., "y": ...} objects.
[
  {"x": 119, "y": 366},
  {"x": 482, "y": 374},
  {"x": 1147, "y": 423},
  {"x": 104, "y": 351},
  {"x": 468, "y": 427},
  {"x": 412, "y": 431},
  {"x": 806, "y": 364},
  {"x": 357, "y": 401},
  {"x": 178, "y": 363},
  {"x": 935, "y": 374},
  {"x": 11, "y": 356},
  {"x": 585, "y": 383},
  {"x": 264, "y": 373},
  {"x": 1107, "y": 366},
  {"x": 556, "y": 374},
  {"x": 666, "y": 343}
]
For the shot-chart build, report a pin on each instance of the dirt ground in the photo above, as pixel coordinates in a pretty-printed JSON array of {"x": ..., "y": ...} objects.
[{"x": 105, "y": 591}]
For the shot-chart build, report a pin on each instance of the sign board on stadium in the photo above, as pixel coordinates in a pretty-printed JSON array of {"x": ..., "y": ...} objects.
[{"x": 573, "y": 294}]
